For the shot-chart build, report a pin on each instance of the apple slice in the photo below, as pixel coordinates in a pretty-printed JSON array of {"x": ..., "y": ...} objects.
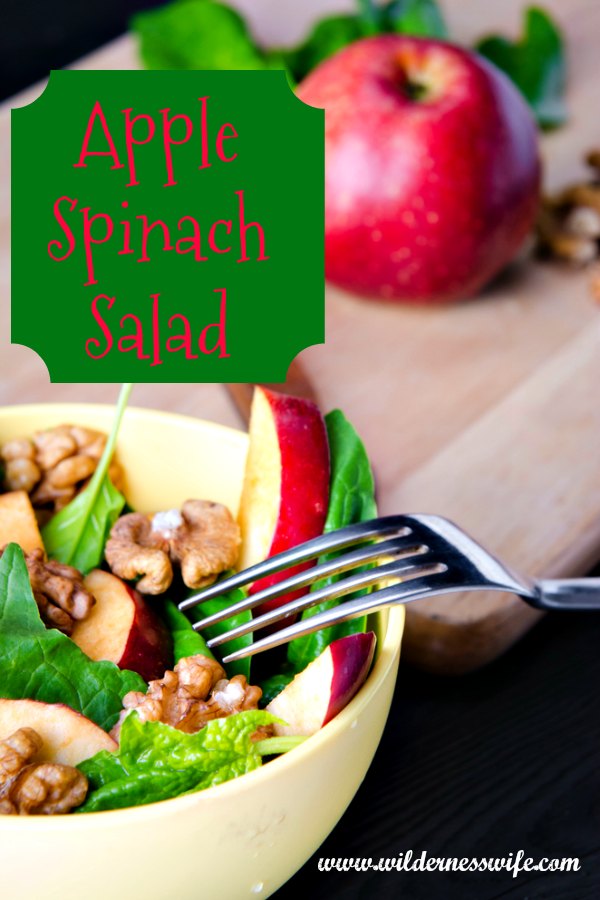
[
  {"x": 122, "y": 627},
  {"x": 325, "y": 686},
  {"x": 68, "y": 736},
  {"x": 286, "y": 483},
  {"x": 18, "y": 523}
]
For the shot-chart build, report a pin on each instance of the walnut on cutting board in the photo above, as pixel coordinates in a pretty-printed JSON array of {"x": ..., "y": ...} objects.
[{"x": 568, "y": 225}]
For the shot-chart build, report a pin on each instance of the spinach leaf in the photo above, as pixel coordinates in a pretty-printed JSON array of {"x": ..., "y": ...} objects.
[
  {"x": 274, "y": 685},
  {"x": 351, "y": 499},
  {"x": 43, "y": 664},
  {"x": 352, "y": 493},
  {"x": 156, "y": 762},
  {"x": 202, "y": 34},
  {"x": 77, "y": 534},
  {"x": 422, "y": 18},
  {"x": 196, "y": 34},
  {"x": 327, "y": 37},
  {"x": 536, "y": 64},
  {"x": 209, "y": 608},
  {"x": 418, "y": 17},
  {"x": 186, "y": 641}
]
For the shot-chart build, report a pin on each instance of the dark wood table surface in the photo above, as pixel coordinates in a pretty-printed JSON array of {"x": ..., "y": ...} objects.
[{"x": 502, "y": 760}]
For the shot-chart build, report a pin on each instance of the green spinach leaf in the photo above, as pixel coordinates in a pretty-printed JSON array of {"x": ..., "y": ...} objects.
[
  {"x": 202, "y": 34},
  {"x": 43, "y": 664},
  {"x": 327, "y": 37},
  {"x": 197, "y": 34},
  {"x": 156, "y": 762},
  {"x": 418, "y": 17},
  {"x": 536, "y": 64},
  {"x": 421, "y": 18},
  {"x": 351, "y": 499},
  {"x": 274, "y": 685},
  {"x": 78, "y": 533},
  {"x": 186, "y": 641},
  {"x": 209, "y": 608}
]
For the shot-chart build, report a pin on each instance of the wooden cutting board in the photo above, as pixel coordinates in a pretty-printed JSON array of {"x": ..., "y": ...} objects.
[{"x": 486, "y": 412}]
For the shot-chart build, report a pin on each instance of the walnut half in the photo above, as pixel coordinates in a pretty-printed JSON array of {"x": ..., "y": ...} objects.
[
  {"x": 29, "y": 788},
  {"x": 203, "y": 539},
  {"x": 196, "y": 691}
]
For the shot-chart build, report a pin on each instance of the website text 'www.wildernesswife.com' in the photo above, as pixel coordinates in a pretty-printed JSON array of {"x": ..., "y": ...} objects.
[{"x": 515, "y": 863}]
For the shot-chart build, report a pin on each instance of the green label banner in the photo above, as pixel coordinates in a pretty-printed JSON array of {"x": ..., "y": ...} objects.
[{"x": 167, "y": 226}]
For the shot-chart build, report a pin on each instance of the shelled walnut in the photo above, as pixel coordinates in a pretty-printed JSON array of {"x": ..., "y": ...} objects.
[
  {"x": 568, "y": 226},
  {"x": 203, "y": 539},
  {"x": 36, "y": 788},
  {"x": 59, "y": 592},
  {"x": 54, "y": 465},
  {"x": 196, "y": 691}
]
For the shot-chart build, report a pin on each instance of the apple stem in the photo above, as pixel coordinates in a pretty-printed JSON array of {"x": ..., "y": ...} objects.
[{"x": 415, "y": 91}]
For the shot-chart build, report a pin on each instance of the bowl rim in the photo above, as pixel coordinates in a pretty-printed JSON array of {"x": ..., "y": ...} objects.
[{"x": 385, "y": 659}]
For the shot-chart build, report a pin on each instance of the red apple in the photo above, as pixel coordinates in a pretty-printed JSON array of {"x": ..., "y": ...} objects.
[
  {"x": 432, "y": 168},
  {"x": 68, "y": 736},
  {"x": 328, "y": 683},
  {"x": 122, "y": 627},
  {"x": 286, "y": 483}
]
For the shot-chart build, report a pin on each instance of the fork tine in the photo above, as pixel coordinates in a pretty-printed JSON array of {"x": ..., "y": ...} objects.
[
  {"x": 339, "y": 564},
  {"x": 404, "y": 592},
  {"x": 330, "y": 592},
  {"x": 325, "y": 543}
]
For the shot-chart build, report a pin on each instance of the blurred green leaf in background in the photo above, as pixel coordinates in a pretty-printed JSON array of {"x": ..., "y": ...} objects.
[
  {"x": 536, "y": 64},
  {"x": 203, "y": 34}
]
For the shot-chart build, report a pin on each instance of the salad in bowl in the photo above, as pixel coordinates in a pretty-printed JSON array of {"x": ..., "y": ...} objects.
[{"x": 115, "y": 717}]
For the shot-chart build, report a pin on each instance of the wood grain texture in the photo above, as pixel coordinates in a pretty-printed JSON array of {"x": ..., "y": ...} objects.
[
  {"x": 501, "y": 760},
  {"x": 297, "y": 384},
  {"x": 485, "y": 412}
]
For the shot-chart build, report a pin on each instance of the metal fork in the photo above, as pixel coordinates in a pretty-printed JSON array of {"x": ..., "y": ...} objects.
[{"x": 423, "y": 555}]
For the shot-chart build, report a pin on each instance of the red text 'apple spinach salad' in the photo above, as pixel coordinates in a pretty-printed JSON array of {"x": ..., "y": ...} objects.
[{"x": 108, "y": 696}]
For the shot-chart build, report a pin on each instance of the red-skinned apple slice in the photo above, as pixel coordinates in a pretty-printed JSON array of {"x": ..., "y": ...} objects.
[
  {"x": 122, "y": 627},
  {"x": 328, "y": 683},
  {"x": 286, "y": 484},
  {"x": 68, "y": 736}
]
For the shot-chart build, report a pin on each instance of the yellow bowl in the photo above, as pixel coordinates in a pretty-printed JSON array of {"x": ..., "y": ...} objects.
[{"x": 241, "y": 839}]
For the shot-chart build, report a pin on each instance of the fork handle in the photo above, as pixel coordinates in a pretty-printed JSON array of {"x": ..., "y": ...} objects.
[{"x": 568, "y": 593}]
